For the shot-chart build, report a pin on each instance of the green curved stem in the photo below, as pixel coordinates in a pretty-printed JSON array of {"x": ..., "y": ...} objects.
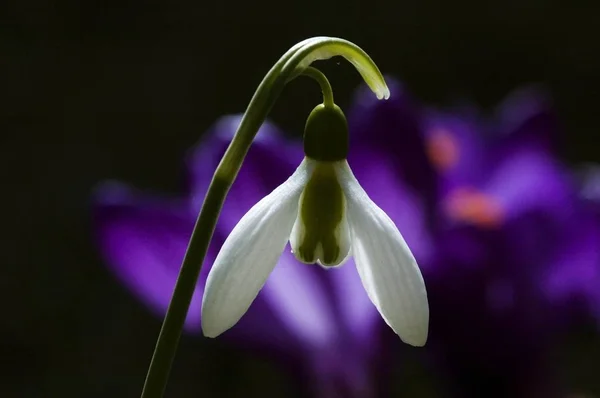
[
  {"x": 290, "y": 65},
  {"x": 317, "y": 75}
]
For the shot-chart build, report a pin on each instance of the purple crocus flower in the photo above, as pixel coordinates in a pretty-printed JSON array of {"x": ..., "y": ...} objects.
[{"x": 517, "y": 253}]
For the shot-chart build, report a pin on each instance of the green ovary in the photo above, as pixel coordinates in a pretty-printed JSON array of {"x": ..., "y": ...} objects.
[{"x": 321, "y": 212}]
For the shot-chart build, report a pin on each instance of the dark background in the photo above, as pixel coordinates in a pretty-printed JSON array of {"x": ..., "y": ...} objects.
[{"x": 91, "y": 90}]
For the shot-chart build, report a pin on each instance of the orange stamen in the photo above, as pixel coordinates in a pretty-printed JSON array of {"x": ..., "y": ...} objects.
[
  {"x": 442, "y": 149},
  {"x": 475, "y": 207}
]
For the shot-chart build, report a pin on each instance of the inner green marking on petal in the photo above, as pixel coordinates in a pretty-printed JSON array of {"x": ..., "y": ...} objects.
[{"x": 321, "y": 212}]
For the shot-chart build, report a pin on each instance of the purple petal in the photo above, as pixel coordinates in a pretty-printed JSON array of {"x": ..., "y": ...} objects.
[
  {"x": 297, "y": 295},
  {"x": 529, "y": 179},
  {"x": 573, "y": 277},
  {"x": 358, "y": 316},
  {"x": 589, "y": 182},
  {"x": 144, "y": 241},
  {"x": 262, "y": 328},
  {"x": 528, "y": 115},
  {"x": 456, "y": 146},
  {"x": 393, "y": 129}
]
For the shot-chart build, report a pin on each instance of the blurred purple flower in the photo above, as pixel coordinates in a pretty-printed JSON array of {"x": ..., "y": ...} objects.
[
  {"x": 517, "y": 256},
  {"x": 507, "y": 246}
]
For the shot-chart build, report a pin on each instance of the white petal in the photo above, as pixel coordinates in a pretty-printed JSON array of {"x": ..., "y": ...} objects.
[
  {"x": 385, "y": 264},
  {"x": 249, "y": 255}
]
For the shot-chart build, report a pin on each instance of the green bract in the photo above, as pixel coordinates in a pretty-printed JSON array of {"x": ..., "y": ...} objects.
[{"x": 317, "y": 48}]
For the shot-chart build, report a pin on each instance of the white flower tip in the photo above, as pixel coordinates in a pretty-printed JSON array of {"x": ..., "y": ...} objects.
[
  {"x": 215, "y": 317},
  {"x": 212, "y": 326},
  {"x": 210, "y": 332},
  {"x": 416, "y": 338},
  {"x": 215, "y": 321},
  {"x": 413, "y": 328},
  {"x": 383, "y": 93},
  {"x": 379, "y": 88}
]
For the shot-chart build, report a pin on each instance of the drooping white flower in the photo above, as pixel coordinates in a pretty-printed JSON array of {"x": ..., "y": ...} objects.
[{"x": 326, "y": 215}]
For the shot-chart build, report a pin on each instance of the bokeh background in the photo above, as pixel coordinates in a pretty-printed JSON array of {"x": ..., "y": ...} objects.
[{"x": 101, "y": 90}]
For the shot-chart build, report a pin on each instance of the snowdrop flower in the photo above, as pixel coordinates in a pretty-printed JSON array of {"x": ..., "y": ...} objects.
[
  {"x": 319, "y": 194},
  {"x": 326, "y": 215}
]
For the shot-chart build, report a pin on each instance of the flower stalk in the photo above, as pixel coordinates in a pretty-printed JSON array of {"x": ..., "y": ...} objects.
[
  {"x": 294, "y": 62},
  {"x": 320, "y": 78}
]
